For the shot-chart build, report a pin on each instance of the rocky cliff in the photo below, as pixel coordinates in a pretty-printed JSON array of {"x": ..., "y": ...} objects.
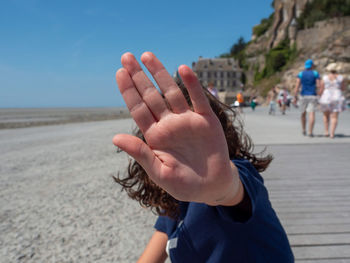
[
  {"x": 284, "y": 24},
  {"x": 326, "y": 42}
]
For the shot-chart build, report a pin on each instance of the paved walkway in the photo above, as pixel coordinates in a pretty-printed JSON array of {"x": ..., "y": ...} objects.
[
  {"x": 286, "y": 129},
  {"x": 308, "y": 182}
]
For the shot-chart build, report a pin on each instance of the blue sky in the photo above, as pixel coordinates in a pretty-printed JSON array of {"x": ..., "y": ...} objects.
[{"x": 65, "y": 53}]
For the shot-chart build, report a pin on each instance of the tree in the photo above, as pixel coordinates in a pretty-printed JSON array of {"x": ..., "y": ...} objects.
[
  {"x": 238, "y": 46},
  {"x": 237, "y": 51}
]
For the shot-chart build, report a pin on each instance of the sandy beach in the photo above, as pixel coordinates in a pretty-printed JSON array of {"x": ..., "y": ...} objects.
[{"x": 58, "y": 202}]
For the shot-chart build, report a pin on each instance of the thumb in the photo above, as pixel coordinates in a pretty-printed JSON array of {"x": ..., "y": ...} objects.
[{"x": 139, "y": 150}]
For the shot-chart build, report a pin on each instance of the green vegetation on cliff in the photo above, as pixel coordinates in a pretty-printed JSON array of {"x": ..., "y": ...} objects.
[
  {"x": 264, "y": 25},
  {"x": 318, "y": 10},
  {"x": 276, "y": 59}
]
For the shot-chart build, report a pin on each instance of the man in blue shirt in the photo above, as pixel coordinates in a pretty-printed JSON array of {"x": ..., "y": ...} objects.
[{"x": 309, "y": 81}]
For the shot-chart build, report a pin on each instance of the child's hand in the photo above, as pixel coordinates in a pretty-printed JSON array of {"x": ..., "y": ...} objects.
[{"x": 186, "y": 152}]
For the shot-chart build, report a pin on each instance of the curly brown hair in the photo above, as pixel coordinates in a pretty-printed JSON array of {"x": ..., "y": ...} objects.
[{"x": 141, "y": 188}]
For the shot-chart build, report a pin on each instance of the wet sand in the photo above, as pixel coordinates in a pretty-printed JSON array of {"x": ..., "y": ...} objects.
[{"x": 30, "y": 117}]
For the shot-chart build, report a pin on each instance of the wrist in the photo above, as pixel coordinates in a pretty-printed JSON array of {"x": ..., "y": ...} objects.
[{"x": 233, "y": 193}]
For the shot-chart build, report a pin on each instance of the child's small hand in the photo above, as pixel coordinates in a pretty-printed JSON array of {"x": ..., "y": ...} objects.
[{"x": 186, "y": 151}]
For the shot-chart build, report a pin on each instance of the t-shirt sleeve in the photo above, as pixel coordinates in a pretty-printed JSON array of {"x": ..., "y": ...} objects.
[
  {"x": 252, "y": 182},
  {"x": 300, "y": 74},
  {"x": 165, "y": 224},
  {"x": 316, "y": 74}
]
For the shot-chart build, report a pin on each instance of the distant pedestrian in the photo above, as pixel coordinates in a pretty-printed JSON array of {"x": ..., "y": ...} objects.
[
  {"x": 309, "y": 81},
  {"x": 253, "y": 103},
  {"x": 332, "y": 100},
  {"x": 240, "y": 99},
  {"x": 213, "y": 90},
  {"x": 283, "y": 99},
  {"x": 271, "y": 99}
]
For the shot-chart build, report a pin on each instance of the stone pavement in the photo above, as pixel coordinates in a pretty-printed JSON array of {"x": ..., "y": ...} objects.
[
  {"x": 286, "y": 129},
  {"x": 308, "y": 182}
]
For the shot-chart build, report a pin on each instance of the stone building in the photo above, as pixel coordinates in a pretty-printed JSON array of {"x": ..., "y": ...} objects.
[{"x": 224, "y": 73}]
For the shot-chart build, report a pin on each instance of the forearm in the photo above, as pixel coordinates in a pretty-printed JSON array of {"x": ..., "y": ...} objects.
[
  {"x": 297, "y": 87},
  {"x": 319, "y": 86},
  {"x": 296, "y": 90},
  {"x": 155, "y": 249},
  {"x": 321, "y": 90}
]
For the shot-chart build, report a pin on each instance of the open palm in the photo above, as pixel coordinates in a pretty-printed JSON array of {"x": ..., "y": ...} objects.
[{"x": 185, "y": 152}]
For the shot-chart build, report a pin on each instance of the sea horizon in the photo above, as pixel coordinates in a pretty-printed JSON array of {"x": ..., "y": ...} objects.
[{"x": 11, "y": 118}]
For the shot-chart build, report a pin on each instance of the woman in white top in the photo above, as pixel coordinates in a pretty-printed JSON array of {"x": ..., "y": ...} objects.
[{"x": 332, "y": 100}]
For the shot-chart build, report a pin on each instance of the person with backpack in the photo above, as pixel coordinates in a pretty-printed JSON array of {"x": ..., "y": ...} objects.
[{"x": 309, "y": 82}]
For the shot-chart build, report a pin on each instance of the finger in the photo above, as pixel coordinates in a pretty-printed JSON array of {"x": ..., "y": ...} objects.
[
  {"x": 137, "y": 107},
  {"x": 165, "y": 82},
  {"x": 199, "y": 99},
  {"x": 140, "y": 151},
  {"x": 148, "y": 92}
]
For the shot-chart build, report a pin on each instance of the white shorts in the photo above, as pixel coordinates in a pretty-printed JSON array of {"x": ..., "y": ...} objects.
[{"x": 308, "y": 103}]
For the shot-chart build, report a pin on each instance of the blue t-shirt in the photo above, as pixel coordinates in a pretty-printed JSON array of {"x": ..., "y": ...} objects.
[
  {"x": 206, "y": 233},
  {"x": 308, "y": 79}
]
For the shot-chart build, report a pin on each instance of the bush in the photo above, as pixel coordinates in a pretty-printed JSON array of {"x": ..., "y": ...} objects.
[
  {"x": 258, "y": 76},
  {"x": 276, "y": 59},
  {"x": 318, "y": 10},
  {"x": 264, "y": 25}
]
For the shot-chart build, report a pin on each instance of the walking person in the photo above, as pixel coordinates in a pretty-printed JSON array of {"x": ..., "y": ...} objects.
[
  {"x": 213, "y": 91},
  {"x": 283, "y": 99},
  {"x": 332, "y": 101},
  {"x": 253, "y": 103},
  {"x": 240, "y": 99},
  {"x": 195, "y": 167},
  {"x": 271, "y": 100},
  {"x": 309, "y": 81}
]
